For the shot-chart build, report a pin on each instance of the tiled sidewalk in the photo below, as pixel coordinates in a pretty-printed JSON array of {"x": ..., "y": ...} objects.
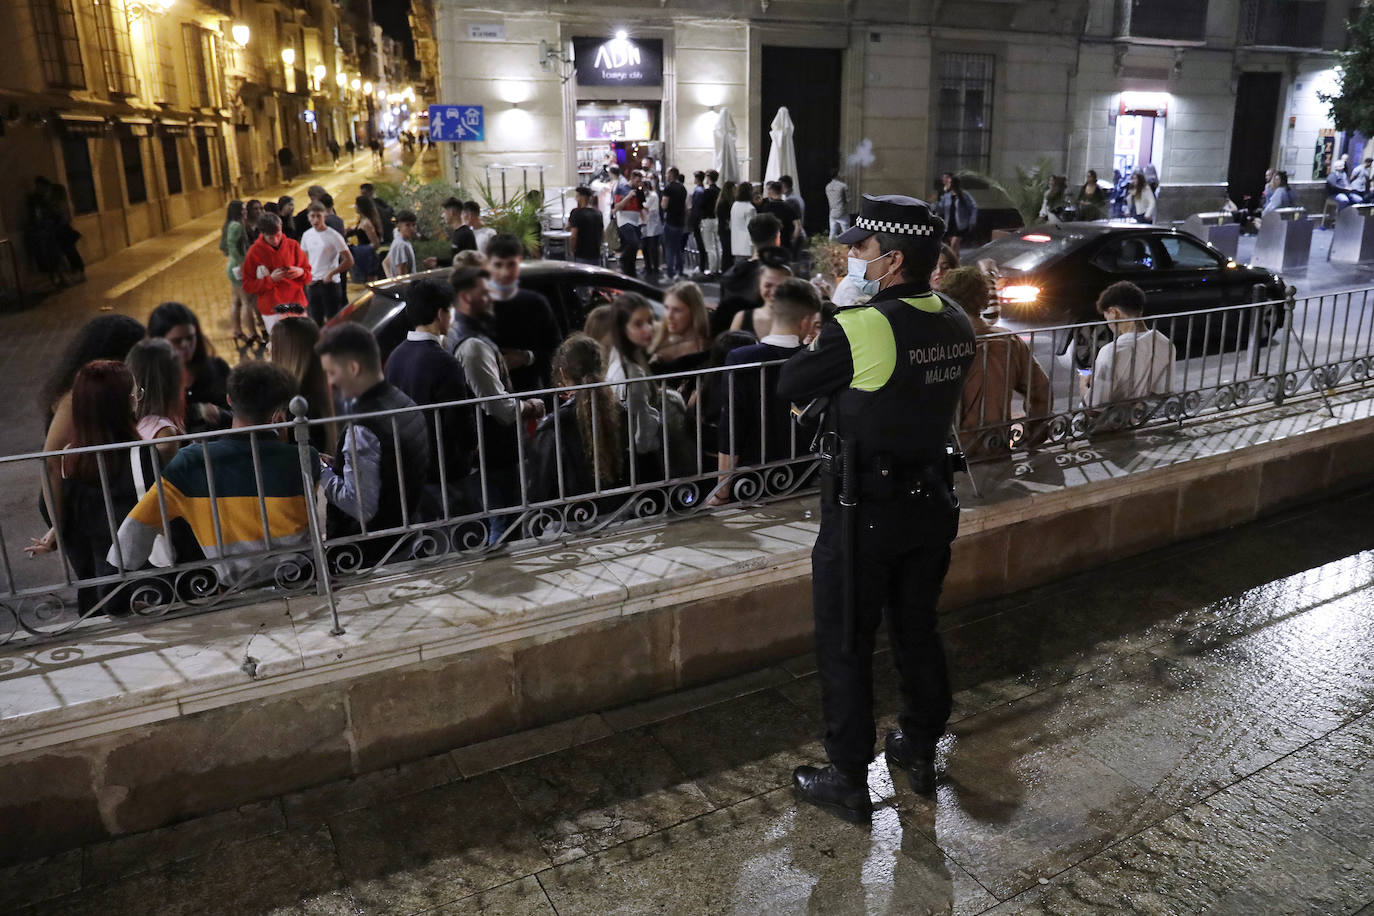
[{"x": 1186, "y": 732}]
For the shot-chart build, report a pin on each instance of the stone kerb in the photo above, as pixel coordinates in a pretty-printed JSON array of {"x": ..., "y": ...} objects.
[{"x": 148, "y": 726}]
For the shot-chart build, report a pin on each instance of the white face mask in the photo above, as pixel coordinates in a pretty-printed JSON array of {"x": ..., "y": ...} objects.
[{"x": 858, "y": 274}]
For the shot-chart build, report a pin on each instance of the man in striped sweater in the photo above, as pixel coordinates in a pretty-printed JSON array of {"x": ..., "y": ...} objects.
[{"x": 239, "y": 522}]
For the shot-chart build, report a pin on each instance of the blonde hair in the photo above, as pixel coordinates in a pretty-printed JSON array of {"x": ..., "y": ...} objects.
[
  {"x": 579, "y": 362},
  {"x": 690, "y": 295},
  {"x": 468, "y": 258},
  {"x": 599, "y": 325},
  {"x": 292, "y": 343}
]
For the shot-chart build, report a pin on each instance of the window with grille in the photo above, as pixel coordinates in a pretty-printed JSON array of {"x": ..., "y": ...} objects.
[
  {"x": 171, "y": 164},
  {"x": 202, "y": 65},
  {"x": 963, "y": 137},
  {"x": 207, "y": 174},
  {"x": 1169, "y": 20},
  {"x": 76, "y": 156},
  {"x": 59, "y": 50},
  {"x": 161, "y": 74},
  {"x": 131, "y": 151},
  {"x": 1287, "y": 23},
  {"x": 116, "y": 55}
]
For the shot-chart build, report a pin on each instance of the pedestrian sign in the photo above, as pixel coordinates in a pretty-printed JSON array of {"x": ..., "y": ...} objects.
[{"x": 456, "y": 123}]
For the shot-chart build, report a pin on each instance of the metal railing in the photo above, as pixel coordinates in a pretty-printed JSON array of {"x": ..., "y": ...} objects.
[
  {"x": 1087, "y": 379},
  {"x": 493, "y": 486}
]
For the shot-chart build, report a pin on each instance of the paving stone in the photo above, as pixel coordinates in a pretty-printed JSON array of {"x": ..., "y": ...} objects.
[
  {"x": 770, "y": 855},
  {"x": 601, "y": 794},
  {"x": 436, "y": 846},
  {"x": 525, "y": 897},
  {"x": 286, "y": 873},
  {"x": 39, "y": 880},
  {"x": 123, "y": 856},
  {"x": 741, "y": 748},
  {"x": 378, "y": 787}
]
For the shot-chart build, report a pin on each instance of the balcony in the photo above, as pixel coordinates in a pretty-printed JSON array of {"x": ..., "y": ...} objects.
[
  {"x": 1163, "y": 20},
  {"x": 1282, "y": 23}
]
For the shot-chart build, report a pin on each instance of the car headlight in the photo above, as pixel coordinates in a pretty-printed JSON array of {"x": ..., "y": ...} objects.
[{"x": 1020, "y": 294}]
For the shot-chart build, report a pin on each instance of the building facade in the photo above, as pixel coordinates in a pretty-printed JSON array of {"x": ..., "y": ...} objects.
[
  {"x": 1209, "y": 92},
  {"x": 155, "y": 112}
]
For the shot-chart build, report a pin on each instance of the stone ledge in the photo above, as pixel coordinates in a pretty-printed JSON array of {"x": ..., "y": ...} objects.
[{"x": 450, "y": 656}]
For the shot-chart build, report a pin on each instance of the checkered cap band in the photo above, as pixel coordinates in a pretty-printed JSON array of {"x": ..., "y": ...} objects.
[{"x": 881, "y": 225}]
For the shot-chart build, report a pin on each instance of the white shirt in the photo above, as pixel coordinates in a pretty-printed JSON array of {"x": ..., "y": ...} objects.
[
  {"x": 425, "y": 335},
  {"x": 400, "y": 259},
  {"x": 791, "y": 341},
  {"x": 324, "y": 249},
  {"x": 483, "y": 235},
  {"x": 653, "y": 217},
  {"x": 1134, "y": 365},
  {"x": 740, "y": 215},
  {"x": 836, "y": 194}
]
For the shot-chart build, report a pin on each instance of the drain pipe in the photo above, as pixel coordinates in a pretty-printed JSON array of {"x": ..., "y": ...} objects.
[{"x": 1069, "y": 77}]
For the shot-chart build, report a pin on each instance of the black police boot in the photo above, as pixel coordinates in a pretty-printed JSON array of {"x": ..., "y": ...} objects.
[
  {"x": 841, "y": 793},
  {"x": 918, "y": 762}
]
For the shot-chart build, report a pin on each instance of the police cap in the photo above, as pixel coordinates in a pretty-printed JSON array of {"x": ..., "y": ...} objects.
[{"x": 894, "y": 214}]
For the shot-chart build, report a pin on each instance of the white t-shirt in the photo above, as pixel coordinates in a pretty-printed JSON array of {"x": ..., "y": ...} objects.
[
  {"x": 401, "y": 258},
  {"x": 740, "y": 214},
  {"x": 483, "y": 236},
  {"x": 324, "y": 250},
  {"x": 653, "y": 217},
  {"x": 1134, "y": 365}
]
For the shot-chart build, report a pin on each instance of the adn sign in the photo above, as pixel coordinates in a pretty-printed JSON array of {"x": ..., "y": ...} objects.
[{"x": 618, "y": 61}]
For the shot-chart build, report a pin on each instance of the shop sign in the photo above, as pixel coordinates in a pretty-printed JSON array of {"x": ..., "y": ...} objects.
[
  {"x": 618, "y": 61},
  {"x": 489, "y": 31}
]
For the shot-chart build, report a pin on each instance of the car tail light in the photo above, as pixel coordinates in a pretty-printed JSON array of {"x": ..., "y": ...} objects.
[{"x": 1018, "y": 294}]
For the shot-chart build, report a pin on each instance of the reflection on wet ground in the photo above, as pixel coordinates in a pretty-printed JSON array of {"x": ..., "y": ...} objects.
[{"x": 1186, "y": 732}]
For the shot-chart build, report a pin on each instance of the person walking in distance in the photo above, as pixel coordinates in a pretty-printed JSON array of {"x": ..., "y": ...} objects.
[
  {"x": 888, "y": 509},
  {"x": 957, "y": 210}
]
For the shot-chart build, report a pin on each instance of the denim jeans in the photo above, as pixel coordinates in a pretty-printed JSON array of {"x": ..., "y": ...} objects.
[
  {"x": 674, "y": 238},
  {"x": 629, "y": 248}
]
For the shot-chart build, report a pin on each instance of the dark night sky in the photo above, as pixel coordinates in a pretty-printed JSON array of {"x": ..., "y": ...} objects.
[{"x": 393, "y": 17}]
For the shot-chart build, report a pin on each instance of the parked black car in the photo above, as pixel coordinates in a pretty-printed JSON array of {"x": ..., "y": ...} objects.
[
  {"x": 1052, "y": 275},
  {"x": 572, "y": 289}
]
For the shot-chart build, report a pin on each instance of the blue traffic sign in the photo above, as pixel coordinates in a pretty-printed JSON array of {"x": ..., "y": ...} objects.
[{"x": 456, "y": 123}]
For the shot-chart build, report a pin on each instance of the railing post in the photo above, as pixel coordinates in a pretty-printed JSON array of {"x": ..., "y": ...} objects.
[
  {"x": 299, "y": 408},
  {"x": 1258, "y": 295},
  {"x": 1289, "y": 304}
]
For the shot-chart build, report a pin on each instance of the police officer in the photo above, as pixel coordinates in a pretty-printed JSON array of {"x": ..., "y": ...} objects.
[{"x": 892, "y": 371}]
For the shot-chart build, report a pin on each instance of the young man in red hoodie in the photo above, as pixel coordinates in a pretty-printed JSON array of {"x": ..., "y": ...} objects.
[{"x": 277, "y": 271}]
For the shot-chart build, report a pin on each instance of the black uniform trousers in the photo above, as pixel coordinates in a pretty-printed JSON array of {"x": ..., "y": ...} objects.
[{"x": 898, "y": 576}]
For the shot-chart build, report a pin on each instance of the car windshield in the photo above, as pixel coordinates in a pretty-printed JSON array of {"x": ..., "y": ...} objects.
[{"x": 1027, "y": 250}]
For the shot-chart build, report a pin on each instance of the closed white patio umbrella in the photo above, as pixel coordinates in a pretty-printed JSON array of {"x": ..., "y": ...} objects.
[
  {"x": 727, "y": 158},
  {"x": 782, "y": 155}
]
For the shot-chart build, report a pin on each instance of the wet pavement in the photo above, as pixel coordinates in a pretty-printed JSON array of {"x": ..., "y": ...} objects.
[{"x": 1185, "y": 732}]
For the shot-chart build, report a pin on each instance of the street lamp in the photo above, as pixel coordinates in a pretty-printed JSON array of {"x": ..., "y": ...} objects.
[
  {"x": 241, "y": 34},
  {"x": 288, "y": 56},
  {"x": 367, "y": 87},
  {"x": 320, "y": 71},
  {"x": 356, "y": 84},
  {"x": 341, "y": 80}
]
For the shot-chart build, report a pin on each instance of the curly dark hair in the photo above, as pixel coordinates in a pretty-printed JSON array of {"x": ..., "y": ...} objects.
[{"x": 106, "y": 337}]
